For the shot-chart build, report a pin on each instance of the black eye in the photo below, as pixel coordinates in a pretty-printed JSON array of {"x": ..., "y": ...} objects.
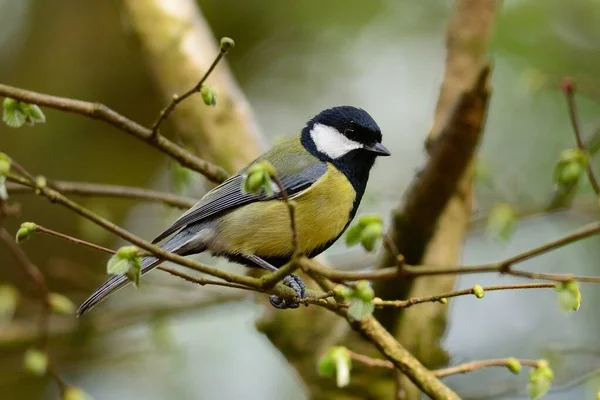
[{"x": 350, "y": 134}]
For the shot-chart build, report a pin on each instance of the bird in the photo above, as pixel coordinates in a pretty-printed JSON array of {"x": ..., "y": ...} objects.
[{"x": 324, "y": 170}]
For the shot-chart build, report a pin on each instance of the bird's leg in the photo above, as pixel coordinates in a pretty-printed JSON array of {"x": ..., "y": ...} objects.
[{"x": 292, "y": 280}]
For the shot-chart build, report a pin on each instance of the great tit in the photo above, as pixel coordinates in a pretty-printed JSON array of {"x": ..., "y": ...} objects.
[{"x": 324, "y": 170}]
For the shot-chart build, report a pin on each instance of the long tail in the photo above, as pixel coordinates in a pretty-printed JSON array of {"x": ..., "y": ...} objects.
[{"x": 117, "y": 282}]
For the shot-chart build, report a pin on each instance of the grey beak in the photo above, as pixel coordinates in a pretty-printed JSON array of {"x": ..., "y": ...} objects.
[{"x": 378, "y": 149}]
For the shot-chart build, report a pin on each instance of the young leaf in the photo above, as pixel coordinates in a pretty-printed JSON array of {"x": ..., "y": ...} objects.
[
  {"x": 13, "y": 114},
  {"x": 117, "y": 265},
  {"x": 336, "y": 362},
  {"x": 35, "y": 361},
  {"x": 134, "y": 273},
  {"x": 5, "y": 164},
  {"x": 9, "y": 298},
  {"x": 61, "y": 304},
  {"x": 180, "y": 176},
  {"x": 34, "y": 114},
  {"x": 25, "y": 231},
  {"x": 353, "y": 235},
  {"x": 540, "y": 379},
  {"x": 370, "y": 234},
  {"x": 570, "y": 167},
  {"x": 360, "y": 309},
  {"x": 569, "y": 296},
  {"x": 3, "y": 191}
]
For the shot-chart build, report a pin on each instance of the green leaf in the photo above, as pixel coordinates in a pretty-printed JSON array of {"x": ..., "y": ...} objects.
[
  {"x": 34, "y": 114},
  {"x": 13, "y": 114},
  {"x": 117, "y": 265},
  {"x": 35, "y": 361},
  {"x": 501, "y": 221},
  {"x": 9, "y": 299},
  {"x": 209, "y": 96},
  {"x": 134, "y": 273},
  {"x": 25, "y": 231},
  {"x": 540, "y": 379},
  {"x": 126, "y": 261},
  {"x": 61, "y": 304},
  {"x": 367, "y": 219},
  {"x": 75, "y": 393},
  {"x": 370, "y": 234},
  {"x": 360, "y": 309},
  {"x": 353, "y": 235},
  {"x": 336, "y": 362},
  {"x": 569, "y": 296}
]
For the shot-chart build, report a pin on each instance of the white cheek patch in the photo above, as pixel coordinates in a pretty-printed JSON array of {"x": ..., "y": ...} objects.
[{"x": 331, "y": 142}]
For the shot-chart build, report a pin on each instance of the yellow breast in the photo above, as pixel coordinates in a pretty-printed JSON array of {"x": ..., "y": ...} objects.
[{"x": 263, "y": 228}]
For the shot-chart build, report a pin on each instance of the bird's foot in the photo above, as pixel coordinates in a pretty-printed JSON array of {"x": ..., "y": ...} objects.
[{"x": 293, "y": 281}]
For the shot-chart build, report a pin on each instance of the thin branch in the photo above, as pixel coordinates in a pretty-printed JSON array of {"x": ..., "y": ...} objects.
[
  {"x": 100, "y": 190},
  {"x": 445, "y": 372},
  {"x": 204, "y": 281},
  {"x": 101, "y": 112},
  {"x": 164, "y": 114},
  {"x": 72, "y": 239},
  {"x": 569, "y": 91},
  {"x": 475, "y": 365},
  {"x": 464, "y": 292}
]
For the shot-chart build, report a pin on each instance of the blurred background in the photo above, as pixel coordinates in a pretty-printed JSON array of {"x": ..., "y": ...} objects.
[{"x": 293, "y": 59}]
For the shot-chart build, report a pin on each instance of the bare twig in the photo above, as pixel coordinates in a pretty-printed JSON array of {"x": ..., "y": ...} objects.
[
  {"x": 440, "y": 297},
  {"x": 103, "y": 113},
  {"x": 164, "y": 114},
  {"x": 569, "y": 90},
  {"x": 445, "y": 372},
  {"x": 475, "y": 365},
  {"x": 101, "y": 190},
  {"x": 72, "y": 239}
]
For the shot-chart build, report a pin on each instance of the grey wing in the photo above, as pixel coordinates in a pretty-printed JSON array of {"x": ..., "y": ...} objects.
[{"x": 229, "y": 195}]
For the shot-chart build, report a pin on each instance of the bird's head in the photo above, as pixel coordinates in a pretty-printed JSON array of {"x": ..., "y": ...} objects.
[{"x": 343, "y": 133}]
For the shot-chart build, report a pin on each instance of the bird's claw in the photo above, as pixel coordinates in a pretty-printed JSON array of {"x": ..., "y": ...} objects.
[{"x": 292, "y": 281}]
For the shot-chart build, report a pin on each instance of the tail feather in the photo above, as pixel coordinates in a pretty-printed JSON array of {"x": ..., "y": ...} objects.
[{"x": 113, "y": 284}]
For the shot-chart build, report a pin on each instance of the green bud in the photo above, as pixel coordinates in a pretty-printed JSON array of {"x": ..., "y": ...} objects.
[
  {"x": 25, "y": 231},
  {"x": 341, "y": 292},
  {"x": 364, "y": 291},
  {"x": 35, "y": 361},
  {"x": 501, "y": 221},
  {"x": 268, "y": 168},
  {"x": 570, "y": 167},
  {"x": 443, "y": 300},
  {"x": 61, "y": 304},
  {"x": 209, "y": 96},
  {"x": 227, "y": 44},
  {"x": 478, "y": 291},
  {"x": 5, "y": 163},
  {"x": 128, "y": 252},
  {"x": 9, "y": 299},
  {"x": 513, "y": 365}
]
